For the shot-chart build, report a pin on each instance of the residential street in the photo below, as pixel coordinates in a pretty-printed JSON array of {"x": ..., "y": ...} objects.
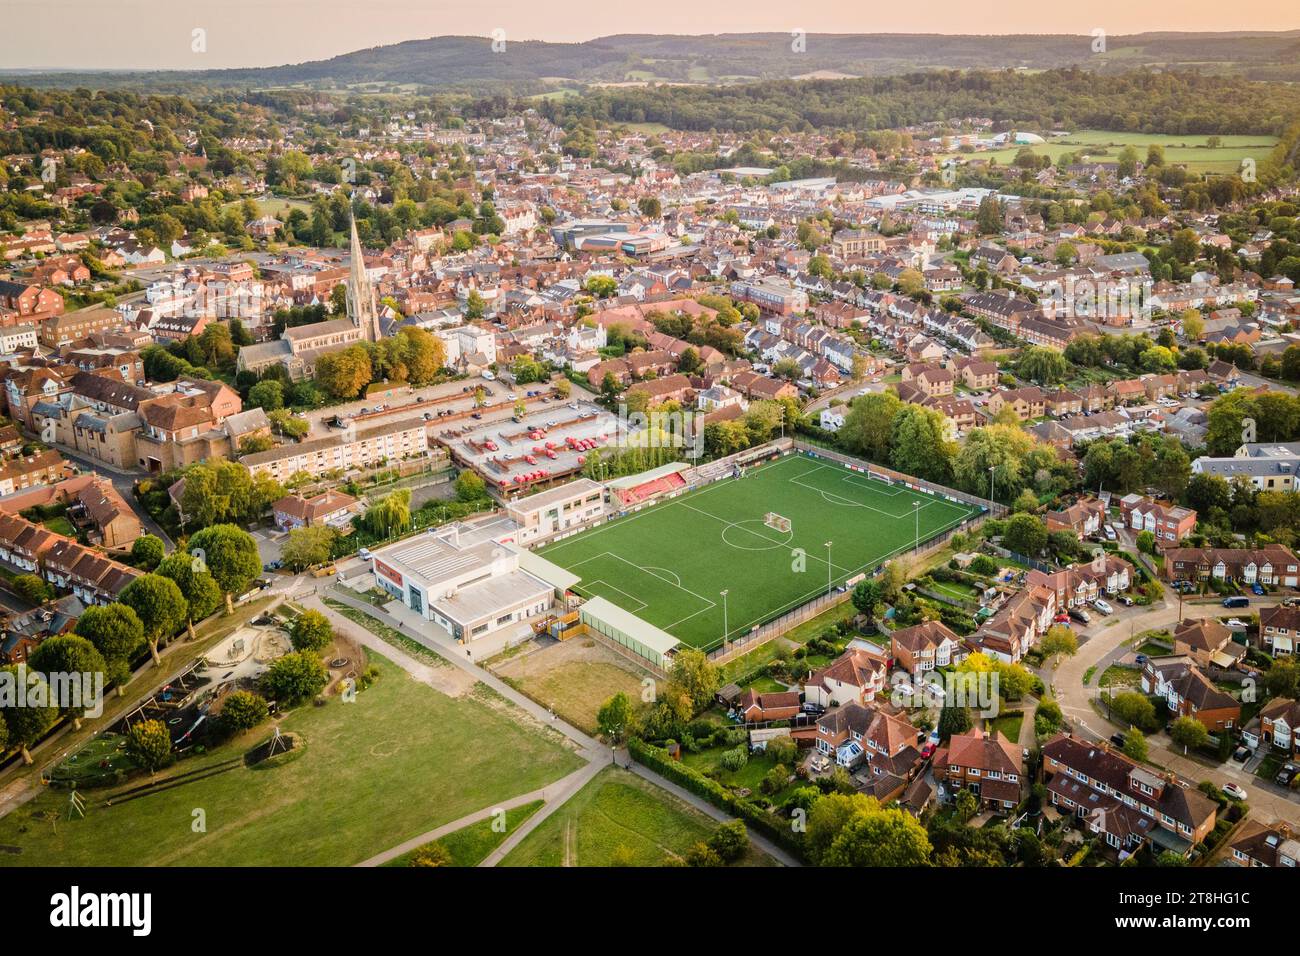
[{"x": 1105, "y": 646}]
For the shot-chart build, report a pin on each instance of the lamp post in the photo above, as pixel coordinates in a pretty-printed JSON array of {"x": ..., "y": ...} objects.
[
  {"x": 991, "y": 467},
  {"x": 829, "y": 567},
  {"x": 916, "y": 510},
  {"x": 724, "y": 615}
]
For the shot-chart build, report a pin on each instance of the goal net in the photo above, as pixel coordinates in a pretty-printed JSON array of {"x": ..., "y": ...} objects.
[{"x": 776, "y": 521}]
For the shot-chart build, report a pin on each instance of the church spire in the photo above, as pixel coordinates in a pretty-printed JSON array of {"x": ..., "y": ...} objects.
[{"x": 361, "y": 295}]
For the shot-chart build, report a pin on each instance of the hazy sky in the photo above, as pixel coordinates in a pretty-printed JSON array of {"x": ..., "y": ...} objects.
[{"x": 156, "y": 34}]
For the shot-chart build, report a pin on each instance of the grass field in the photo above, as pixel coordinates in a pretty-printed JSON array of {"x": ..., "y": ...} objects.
[
  {"x": 618, "y": 818},
  {"x": 669, "y": 564},
  {"x": 1192, "y": 151},
  {"x": 470, "y": 845},
  {"x": 402, "y": 760}
]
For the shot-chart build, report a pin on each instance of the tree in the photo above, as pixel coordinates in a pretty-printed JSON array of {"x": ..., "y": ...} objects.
[
  {"x": 919, "y": 445},
  {"x": 1042, "y": 365},
  {"x": 201, "y": 593},
  {"x": 702, "y": 855},
  {"x": 1135, "y": 745},
  {"x": 730, "y": 840},
  {"x": 27, "y": 724},
  {"x": 1059, "y": 639},
  {"x": 1134, "y": 709},
  {"x": 149, "y": 744},
  {"x": 953, "y": 720},
  {"x": 267, "y": 395},
  {"x": 32, "y": 589},
  {"x": 872, "y": 836},
  {"x": 470, "y": 486},
  {"x": 1188, "y": 733},
  {"x": 868, "y": 427},
  {"x": 294, "y": 678},
  {"x": 307, "y": 546},
  {"x": 311, "y": 631},
  {"x": 966, "y": 805},
  {"x": 69, "y": 654},
  {"x": 230, "y": 555},
  {"x": 390, "y": 514},
  {"x": 695, "y": 676},
  {"x": 1193, "y": 325},
  {"x": 1146, "y": 542},
  {"x": 116, "y": 632},
  {"x": 1026, "y": 534},
  {"x": 345, "y": 373},
  {"x": 867, "y": 593},
  {"x": 1025, "y": 502},
  {"x": 159, "y": 605},
  {"x": 243, "y": 710},
  {"x": 147, "y": 552},
  {"x": 615, "y": 719}
]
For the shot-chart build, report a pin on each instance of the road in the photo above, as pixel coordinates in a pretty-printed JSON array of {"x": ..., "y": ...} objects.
[{"x": 1105, "y": 647}]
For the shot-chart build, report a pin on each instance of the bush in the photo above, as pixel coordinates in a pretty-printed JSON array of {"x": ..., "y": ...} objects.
[
  {"x": 242, "y": 711},
  {"x": 734, "y": 760}
]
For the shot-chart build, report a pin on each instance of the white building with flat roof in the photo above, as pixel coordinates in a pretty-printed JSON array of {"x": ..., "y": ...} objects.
[{"x": 467, "y": 581}]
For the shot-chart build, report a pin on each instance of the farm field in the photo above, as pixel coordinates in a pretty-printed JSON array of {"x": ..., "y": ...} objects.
[
  {"x": 619, "y": 819},
  {"x": 402, "y": 760},
  {"x": 669, "y": 564},
  {"x": 1189, "y": 150}
]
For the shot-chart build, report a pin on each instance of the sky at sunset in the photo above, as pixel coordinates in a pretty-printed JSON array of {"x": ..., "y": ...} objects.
[{"x": 156, "y": 34}]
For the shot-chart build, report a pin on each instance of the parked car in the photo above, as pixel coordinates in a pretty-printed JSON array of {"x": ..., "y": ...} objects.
[
  {"x": 927, "y": 750},
  {"x": 1117, "y": 739},
  {"x": 1080, "y": 615},
  {"x": 1240, "y": 754},
  {"x": 1257, "y": 589},
  {"x": 1110, "y": 533},
  {"x": 1237, "y": 600},
  {"x": 1126, "y": 600},
  {"x": 1234, "y": 791},
  {"x": 1103, "y": 607},
  {"x": 1287, "y": 774},
  {"x": 1141, "y": 658},
  {"x": 1236, "y": 622},
  {"x": 364, "y": 554}
]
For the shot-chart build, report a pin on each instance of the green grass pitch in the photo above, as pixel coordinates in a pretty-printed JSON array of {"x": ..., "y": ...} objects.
[{"x": 668, "y": 564}]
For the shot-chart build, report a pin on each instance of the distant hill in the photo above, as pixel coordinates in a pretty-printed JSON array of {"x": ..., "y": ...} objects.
[{"x": 458, "y": 62}]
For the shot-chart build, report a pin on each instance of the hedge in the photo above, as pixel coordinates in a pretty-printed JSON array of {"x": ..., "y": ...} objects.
[{"x": 657, "y": 759}]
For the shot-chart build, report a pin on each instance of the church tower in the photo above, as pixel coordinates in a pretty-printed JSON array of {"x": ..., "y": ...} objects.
[{"x": 361, "y": 294}]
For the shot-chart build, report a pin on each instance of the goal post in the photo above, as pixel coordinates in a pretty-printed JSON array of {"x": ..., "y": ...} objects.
[{"x": 777, "y": 522}]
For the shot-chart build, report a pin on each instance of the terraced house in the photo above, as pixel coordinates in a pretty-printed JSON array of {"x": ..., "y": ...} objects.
[{"x": 1272, "y": 564}]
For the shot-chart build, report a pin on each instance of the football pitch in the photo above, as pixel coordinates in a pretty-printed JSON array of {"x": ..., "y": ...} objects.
[{"x": 669, "y": 564}]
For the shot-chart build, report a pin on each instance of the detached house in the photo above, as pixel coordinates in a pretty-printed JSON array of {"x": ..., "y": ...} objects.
[
  {"x": 1169, "y": 523},
  {"x": 1083, "y": 519},
  {"x": 856, "y": 675},
  {"x": 1207, "y": 642},
  {"x": 1258, "y": 844},
  {"x": 923, "y": 647}
]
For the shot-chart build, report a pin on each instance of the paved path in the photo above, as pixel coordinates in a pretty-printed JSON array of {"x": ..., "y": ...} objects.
[
  {"x": 763, "y": 843},
  {"x": 554, "y": 794},
  {"x": 563, "y": 790}
]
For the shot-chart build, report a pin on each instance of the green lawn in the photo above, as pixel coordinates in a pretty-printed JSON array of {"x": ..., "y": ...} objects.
[
  {"x": 669, "y": 564},
  {"x": 1102, "y": 145},
  {"x": 1117, "y": 675},
  {"x": 618, "y": 815},
  {"x": 61, "y": 525},
  {"x": 470, "y": 845},
  {"x": 401, "y": 760},
  {"x": 1009, "y": 724}
]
